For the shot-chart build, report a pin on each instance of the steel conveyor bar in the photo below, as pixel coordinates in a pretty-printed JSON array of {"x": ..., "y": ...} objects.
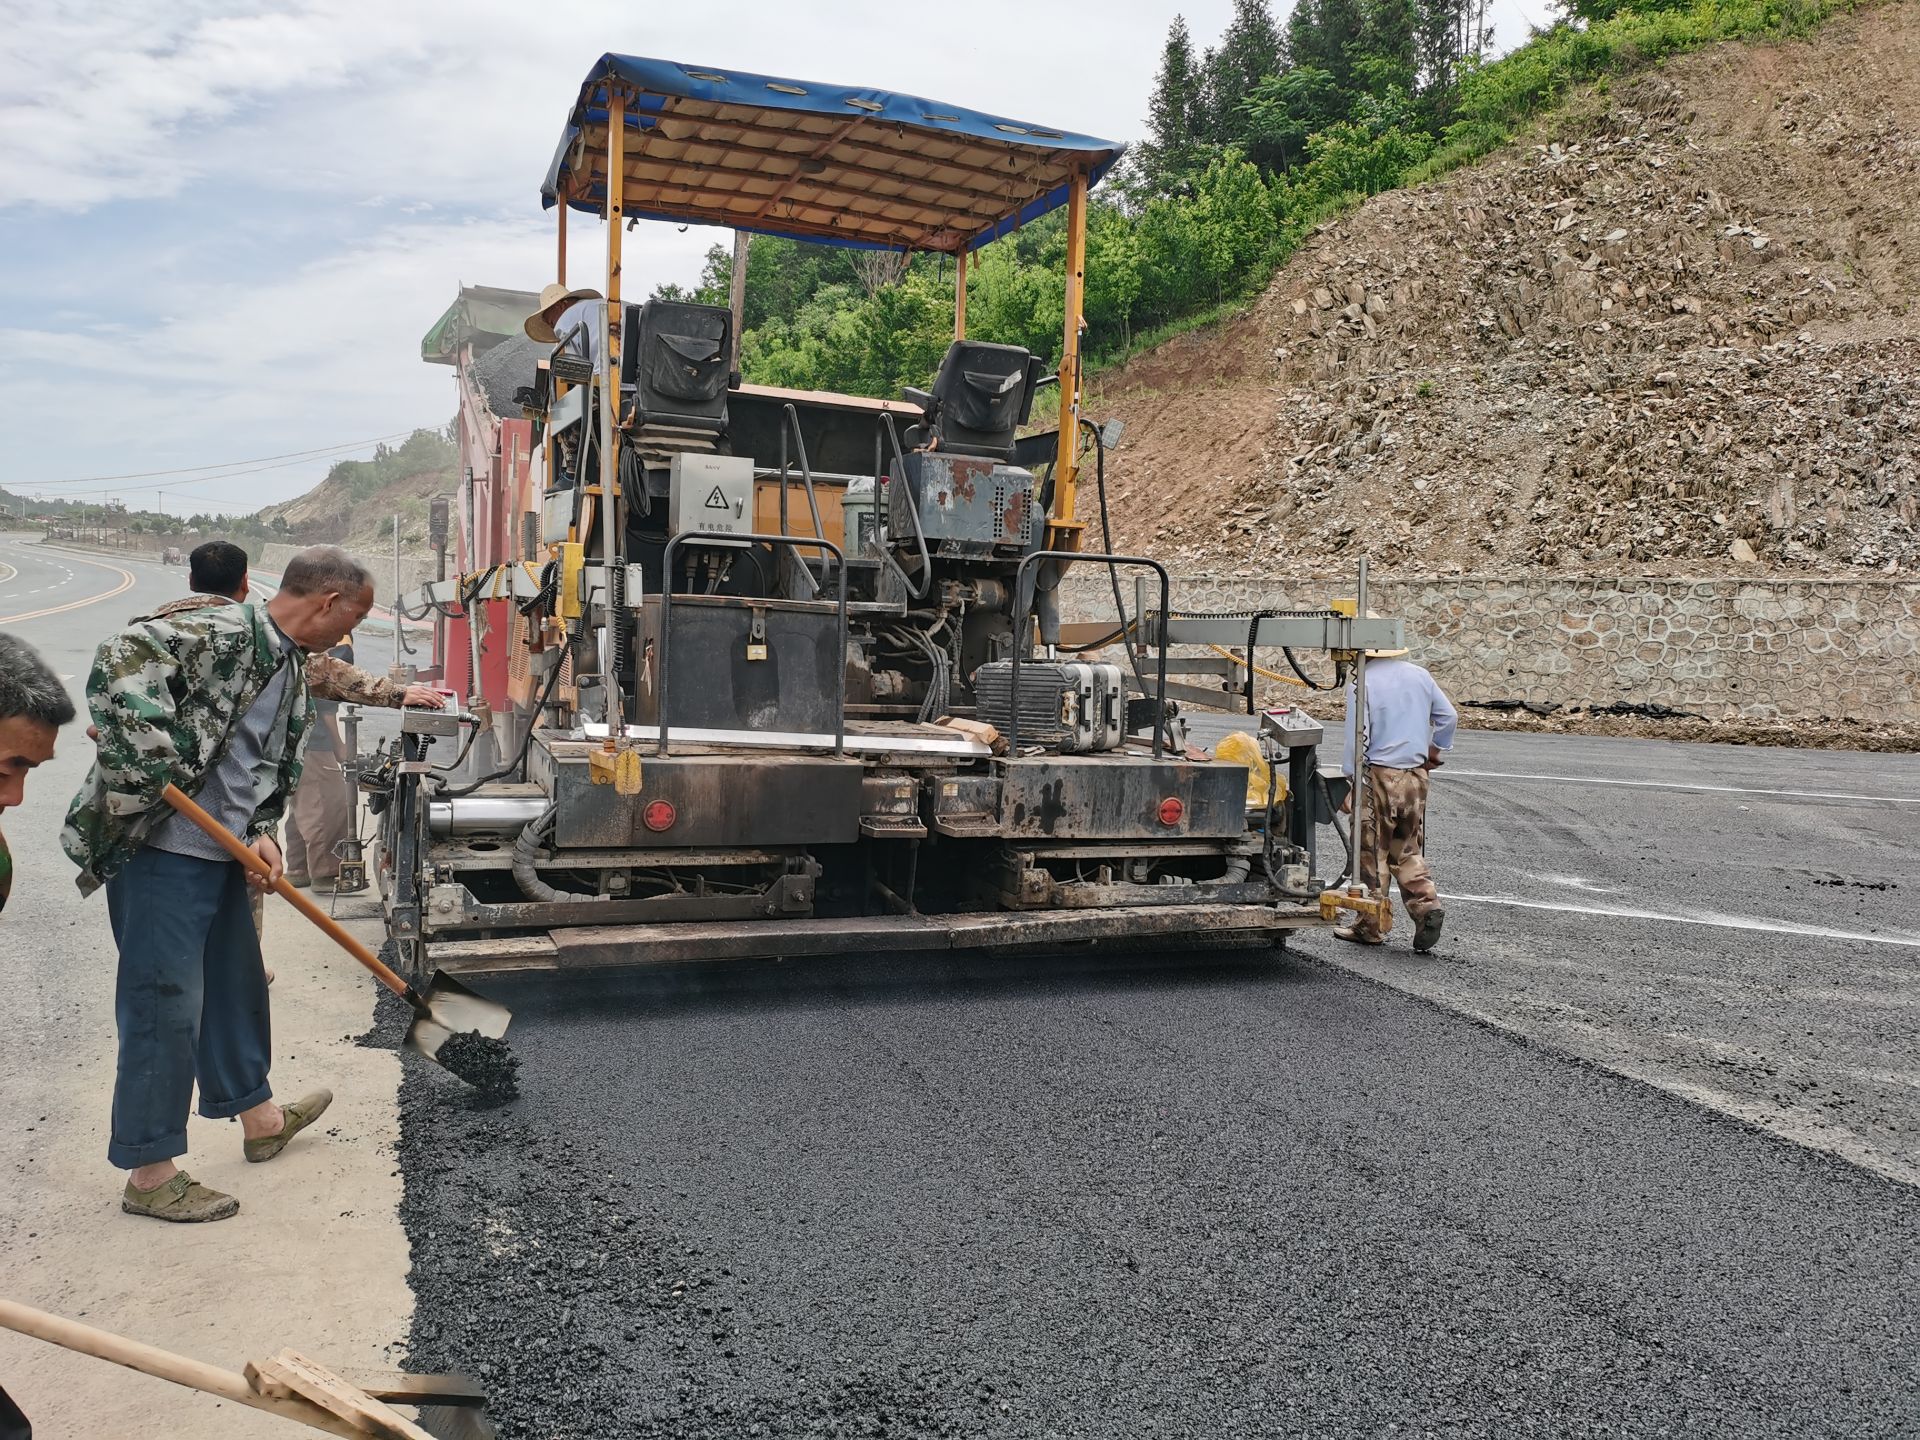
[
  {"x": 613, "y": 947},
  {"x": 1320, "y": 630}
]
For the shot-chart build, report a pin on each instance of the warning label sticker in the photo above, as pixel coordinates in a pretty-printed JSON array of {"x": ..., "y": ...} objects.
[{"x": 718, "y": 500}]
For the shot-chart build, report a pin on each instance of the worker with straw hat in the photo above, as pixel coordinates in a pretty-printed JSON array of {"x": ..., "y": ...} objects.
[
  {"x": 560, "y": 311},
  {"x": 1410, "y": 723}
]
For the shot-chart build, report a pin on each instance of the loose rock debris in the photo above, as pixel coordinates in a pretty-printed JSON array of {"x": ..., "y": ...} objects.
[{"x": 1673, "y": 332}]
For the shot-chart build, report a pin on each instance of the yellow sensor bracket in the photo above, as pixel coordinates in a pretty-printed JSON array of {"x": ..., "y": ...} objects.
[
  {"x": 1377, "y": 908},
  {"x": 618, "y": 768},
  {"x": 571, "y": 601}
]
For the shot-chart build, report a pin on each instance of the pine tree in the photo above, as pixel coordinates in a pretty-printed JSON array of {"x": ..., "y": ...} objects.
[
  {"x": 1171, "y": 149},
  {"x": 1329, "y": 35},
  {"x": 1249, "y": 51},
  {"x": 1446, "y": 32}
]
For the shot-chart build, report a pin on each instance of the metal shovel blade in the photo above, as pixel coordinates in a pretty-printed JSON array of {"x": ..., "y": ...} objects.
[{"x": 453, "y": 1009}]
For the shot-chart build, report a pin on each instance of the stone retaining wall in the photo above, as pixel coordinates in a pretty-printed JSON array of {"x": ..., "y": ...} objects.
[
  {"x": 1729, "y": 649},
  {"x": 415, "y": 570}
]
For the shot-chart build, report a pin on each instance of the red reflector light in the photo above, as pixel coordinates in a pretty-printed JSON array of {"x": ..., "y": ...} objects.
[
  {"x": 659, "y": 815},
  {"x": 1172, "y": 811}
]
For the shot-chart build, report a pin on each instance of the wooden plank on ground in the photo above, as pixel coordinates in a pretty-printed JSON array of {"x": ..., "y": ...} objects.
[{"x": 313, "y": 1382}]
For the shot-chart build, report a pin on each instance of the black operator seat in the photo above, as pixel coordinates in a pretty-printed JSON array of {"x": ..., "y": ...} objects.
[
  {"x": 676, "y": 358},
  {"x": 981, "y": 396}
]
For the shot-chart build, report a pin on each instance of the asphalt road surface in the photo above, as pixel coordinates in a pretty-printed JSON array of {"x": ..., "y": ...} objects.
[
  {"x": 1734, "y": 924},
  {"x": 1193, "y": 1198},
  {"x": 1186, "y": 1198}
]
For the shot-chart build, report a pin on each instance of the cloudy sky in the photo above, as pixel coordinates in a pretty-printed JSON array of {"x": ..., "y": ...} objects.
[{"x": 225, "y": 227}]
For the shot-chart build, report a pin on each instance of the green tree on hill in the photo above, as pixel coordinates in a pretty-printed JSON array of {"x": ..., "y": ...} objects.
[
  {"x": 1248, "y": 148},
  {"x": 1175, "y": 116}
]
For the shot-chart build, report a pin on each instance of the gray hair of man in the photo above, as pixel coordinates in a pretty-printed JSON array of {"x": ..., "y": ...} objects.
[
  {"x": 320, "y": 569},
  {"x": 28, "y": 687}
]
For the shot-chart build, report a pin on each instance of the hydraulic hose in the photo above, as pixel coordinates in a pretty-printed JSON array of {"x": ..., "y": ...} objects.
[{"x": 526, "y": 854}]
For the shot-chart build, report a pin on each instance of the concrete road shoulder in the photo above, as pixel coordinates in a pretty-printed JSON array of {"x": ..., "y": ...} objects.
[{"x": 316, "y": 1259}]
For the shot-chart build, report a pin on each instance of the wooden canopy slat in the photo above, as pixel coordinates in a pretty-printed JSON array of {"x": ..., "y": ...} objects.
[
  {"x": 823, "y": 229},
  {"x": 874, "y": 132},
  {"x": 862, "y": 204},
  {"x": 1009, "y": 189},
  {"x": 797, "y": 181},
  {"x": 827, "y": 142}
]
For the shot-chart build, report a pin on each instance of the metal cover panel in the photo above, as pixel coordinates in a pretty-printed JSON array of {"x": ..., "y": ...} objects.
[
  {"x": 715, "y": 685},
  {"x": 717, "y": 800},
  {"x": 1118, "y": 797}
]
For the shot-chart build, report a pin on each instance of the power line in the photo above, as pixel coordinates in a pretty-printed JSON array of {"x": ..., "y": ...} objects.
[{"x": 203, "y": 471}]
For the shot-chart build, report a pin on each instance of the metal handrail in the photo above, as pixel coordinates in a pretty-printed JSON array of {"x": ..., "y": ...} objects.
[
  {"x": 1022, "y": 613},
  {"x": 913, "y": 509},
  {"x": 694, "y": 537},
  {"x": 806, "y": 479}
]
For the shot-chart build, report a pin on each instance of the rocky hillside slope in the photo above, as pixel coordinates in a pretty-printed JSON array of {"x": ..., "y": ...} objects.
[
  {"x": 1675, "y": 331},
  {"x": 355, "y": 505}
]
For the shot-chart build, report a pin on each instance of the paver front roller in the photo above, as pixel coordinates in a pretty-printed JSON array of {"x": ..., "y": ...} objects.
[{"x": 452, "y": 1026}]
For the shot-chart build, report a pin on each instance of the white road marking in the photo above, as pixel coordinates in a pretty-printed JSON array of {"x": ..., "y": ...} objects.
[
  {"x": 1677, "y": 785},
  {"x": 1575, "y": 882},
  {"x": 1722, "y": 922}
]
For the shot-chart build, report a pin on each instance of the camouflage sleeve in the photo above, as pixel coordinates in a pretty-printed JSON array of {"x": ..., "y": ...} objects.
[
  {"x": 329, "y": 678},
  {"x": 130, "y": 696}
]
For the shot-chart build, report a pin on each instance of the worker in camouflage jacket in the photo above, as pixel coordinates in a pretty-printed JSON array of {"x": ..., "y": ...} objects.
[
  {"x": 320, "y": 814},
  {"x": 212, "y": 700}
]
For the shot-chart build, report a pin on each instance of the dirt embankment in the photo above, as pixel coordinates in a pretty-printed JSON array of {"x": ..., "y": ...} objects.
[
  {"x": 333, "y": 514},
  {"x": 1673, "y": 331}
]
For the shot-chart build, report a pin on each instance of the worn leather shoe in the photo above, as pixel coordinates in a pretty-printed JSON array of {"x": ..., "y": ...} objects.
[
  {"x": 296, "y": 1117},
  {"x": 1354, "y": 935},
  {"x": 1427, "y": 934},
  {"x": 183, "y": 1200}
]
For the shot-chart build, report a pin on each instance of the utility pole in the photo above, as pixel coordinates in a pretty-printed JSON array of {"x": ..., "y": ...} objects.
[{"x": 396, "y": 596}]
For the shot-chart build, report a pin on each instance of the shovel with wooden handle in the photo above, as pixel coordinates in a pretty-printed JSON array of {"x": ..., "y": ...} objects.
[{"x": 449, "y": 1011}]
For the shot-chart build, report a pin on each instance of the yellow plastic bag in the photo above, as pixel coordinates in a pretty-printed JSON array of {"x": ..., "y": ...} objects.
[{"x": 1240, "y": 748}]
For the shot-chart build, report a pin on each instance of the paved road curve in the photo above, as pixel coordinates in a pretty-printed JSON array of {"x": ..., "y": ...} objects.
[{"x": 1200, "y": 1199}]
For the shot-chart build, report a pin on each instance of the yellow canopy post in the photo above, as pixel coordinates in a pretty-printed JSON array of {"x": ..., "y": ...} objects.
[{"x": 1063, "y": 531}]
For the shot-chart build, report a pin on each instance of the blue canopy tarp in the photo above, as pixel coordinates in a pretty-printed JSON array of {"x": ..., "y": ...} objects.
[{"x": 834, "y": 164}]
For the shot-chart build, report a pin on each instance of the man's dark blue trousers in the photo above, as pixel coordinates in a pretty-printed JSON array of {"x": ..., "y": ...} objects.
[{"x": 191, "y": 1001}]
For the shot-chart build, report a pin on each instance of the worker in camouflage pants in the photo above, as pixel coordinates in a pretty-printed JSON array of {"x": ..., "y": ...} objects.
[
  {"x": 1410, "y": 722},
  {"x": 213, "y": 701}
]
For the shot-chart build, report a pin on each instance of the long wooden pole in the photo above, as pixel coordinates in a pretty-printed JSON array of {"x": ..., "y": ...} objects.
[
  {"x": 737, "y": 295},
  {"x": 162, "y": 1365},
  {"x": 960, "y": 296},
  {"x": 217, "y": 832}
]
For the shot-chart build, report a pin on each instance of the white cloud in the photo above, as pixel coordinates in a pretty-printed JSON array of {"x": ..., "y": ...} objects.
[{"x": 314, "y": 178}]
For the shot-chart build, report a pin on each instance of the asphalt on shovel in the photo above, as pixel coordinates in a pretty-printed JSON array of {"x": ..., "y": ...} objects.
[{"x": 452, "y": 1026}]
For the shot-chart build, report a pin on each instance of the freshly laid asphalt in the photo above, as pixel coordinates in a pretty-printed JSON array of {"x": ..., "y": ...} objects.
[
  {"x": 1193, "y": 1198},
  {"x": 1182, "y": 1200}
]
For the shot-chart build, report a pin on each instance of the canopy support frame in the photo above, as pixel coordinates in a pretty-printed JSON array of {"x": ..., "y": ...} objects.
[{"x": 1063, "y": 531}]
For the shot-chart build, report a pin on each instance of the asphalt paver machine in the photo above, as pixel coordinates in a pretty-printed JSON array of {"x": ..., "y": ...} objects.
[{"x": 790, "y": 670}]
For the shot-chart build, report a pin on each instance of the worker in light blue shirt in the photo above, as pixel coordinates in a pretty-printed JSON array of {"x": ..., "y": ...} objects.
[{"x": 1410, "y": 724}]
